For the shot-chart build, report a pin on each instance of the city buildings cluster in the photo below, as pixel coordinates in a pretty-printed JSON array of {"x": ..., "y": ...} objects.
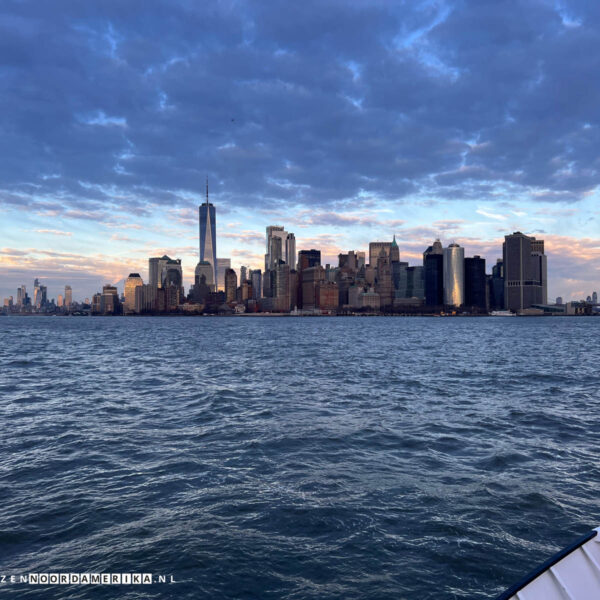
[{"x": 446, "y": 282}]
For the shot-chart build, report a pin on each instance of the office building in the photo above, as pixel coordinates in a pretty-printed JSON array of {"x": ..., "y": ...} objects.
[
  {"x": 208, "y": 235},
  {"x": 146, "y": 300},
  {"x": 222, "y": 265},
  {"x": 109, "y": 300},
  {"x": 230, "y": 285},
  {"x": 496, "y": 286},
  {"x": 256, "y": 279},
  {"x": 131, "y": 283},
  {"x": 435, "y": 248},
  {"x": 204, "y": 274},
  {"x": 308, "y": 259},
  {"x": 454, "y": 275},
  {"x": 39, "y": 294},
  {"x": 375, "y": 249},
  {"x": 525, "y": 270},
  {"x": 394, "y": 251},
  {"x": 290, "y": 250},
  {"x": 383, "y": 279},
  {"x": 475, "y": 284},
  {"x": 68, "y": 296},
  {"x": 434, "y": 278}
]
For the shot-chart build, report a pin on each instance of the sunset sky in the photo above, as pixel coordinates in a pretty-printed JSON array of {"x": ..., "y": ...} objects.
[{"x": 346, "y": 122}]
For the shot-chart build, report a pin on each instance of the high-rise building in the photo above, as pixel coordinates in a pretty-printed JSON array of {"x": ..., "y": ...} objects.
[
  {"x": 375, "y": 249},
  {"x": 311, "y": 277},
  {"x": 153, "y": 272},
  {"x": 541, "y": 266},
  {"x": 280, "y": 246},
  {"x": 280, "y": 287},
  {"x": 496, "y": 286},
  {"x": 435, "y": 248},
  {"x": 290, "y": 250},
  {"x": 308, "y": 258},
  {"x": 394, "y": 251},
  {"x": 243, "y": 274},
  {"x": 68, "y": 296},
  {"x": 204, "y": 270},
  {"x": 525, "y": 269},
  {"x": 208, "y": 234},
  {"x": 164, "y": 271},
  {"x": 559, "y": 300},
  {"x": 59, "y": 301},
  {"x": 349, "y": 261},
  {"x": 475, "y": 284},
  {"x": 132, "y": 282},
  {"x": 145, "y": 298},
  {"x": 434, "y": 278},
  {"x": 109, "y": 300},
  {"x": 256, "y": 279},
  {"x": 230, "y": 285},
  {"x": 454, "y": 275},
  {"x": 171, "y": 273},
  {"x": 21, "y": 296},
  {"x": 383, "y": 280},
  {"x": 275, "y": 238},
  {"x": 40, "y": 293},
  {"x": 594, "y": 297},
  {"x": 222, "y": 265}
]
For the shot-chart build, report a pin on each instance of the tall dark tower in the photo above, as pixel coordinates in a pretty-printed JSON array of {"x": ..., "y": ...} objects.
[
  {"x": 208, "y": 234},
  {"x": 394, "y": 251}
]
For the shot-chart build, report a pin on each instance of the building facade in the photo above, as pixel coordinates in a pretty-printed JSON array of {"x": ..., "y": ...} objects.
[{"x": 454, "y": 275}]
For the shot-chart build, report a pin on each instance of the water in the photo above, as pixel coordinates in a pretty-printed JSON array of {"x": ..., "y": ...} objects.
[{"x": 319, "y": 458}]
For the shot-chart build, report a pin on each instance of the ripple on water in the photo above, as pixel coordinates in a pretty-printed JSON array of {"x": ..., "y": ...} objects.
[{"x": 296, "y": 458}]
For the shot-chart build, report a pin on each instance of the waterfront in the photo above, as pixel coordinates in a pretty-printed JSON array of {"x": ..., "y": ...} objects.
[{"x": 296, "y": 458}]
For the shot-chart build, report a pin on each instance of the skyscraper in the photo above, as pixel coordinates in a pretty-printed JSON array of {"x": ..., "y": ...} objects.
[
  {"x": 68, "y": 296},
  {"x": 375, "y": 251},
  {"x": 133, "y": 281},
  {"x": 230, "y": 285},
  {"x": 222, "y": 265},
  {"x": 256, "y": 278},
  {"x": 208, "y": 234},
  {"x": 475, "y": 284},
  {"x": 434, "y": 279},
  {"x": 394, "y": 251},
  {"x": 290, "y": 250},
  {"x": 496, "y": 286},
  {"x": 524, "y": 271},
  {"x": 454, "y": 275},
  {"x": 308, "y": 258}
]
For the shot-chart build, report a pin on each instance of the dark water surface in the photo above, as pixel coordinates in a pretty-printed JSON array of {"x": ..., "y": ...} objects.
[{"x": 313, "y": 458}]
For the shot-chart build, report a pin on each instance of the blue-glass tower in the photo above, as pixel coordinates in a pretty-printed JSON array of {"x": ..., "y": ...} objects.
[{"x": 208, "y": 234}]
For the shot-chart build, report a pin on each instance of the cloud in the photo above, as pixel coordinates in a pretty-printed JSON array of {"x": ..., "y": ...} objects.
[
  {"x": 393, "y": 100},
  {"x": 54, "y": 232},
  {"x": 245, "y": 237},
  {"x": 490, "y": 215}
]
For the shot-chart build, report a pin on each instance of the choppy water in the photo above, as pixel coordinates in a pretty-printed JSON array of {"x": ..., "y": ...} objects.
[{"x": 315, "y": 458}]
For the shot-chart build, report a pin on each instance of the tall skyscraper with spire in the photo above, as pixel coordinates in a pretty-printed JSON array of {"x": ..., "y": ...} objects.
[{"x": 208, "y": 234}]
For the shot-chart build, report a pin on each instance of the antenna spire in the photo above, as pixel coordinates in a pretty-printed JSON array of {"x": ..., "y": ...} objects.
[{"x": 207, "y": 189}]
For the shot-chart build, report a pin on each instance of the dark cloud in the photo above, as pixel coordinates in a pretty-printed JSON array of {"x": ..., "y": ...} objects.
[{"x": 117, "y": 107}]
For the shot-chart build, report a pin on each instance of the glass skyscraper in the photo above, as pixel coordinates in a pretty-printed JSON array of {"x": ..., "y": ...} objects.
[{"x": 208, "y": 234}]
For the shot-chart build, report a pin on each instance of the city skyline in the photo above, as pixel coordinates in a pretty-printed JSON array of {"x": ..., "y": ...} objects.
[
  {"x": 414, "y": 258},
  {"x": 388, "y": 123}
]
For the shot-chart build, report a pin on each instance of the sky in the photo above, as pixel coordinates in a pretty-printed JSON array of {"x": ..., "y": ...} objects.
[{"x": 346, "y": 122}]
